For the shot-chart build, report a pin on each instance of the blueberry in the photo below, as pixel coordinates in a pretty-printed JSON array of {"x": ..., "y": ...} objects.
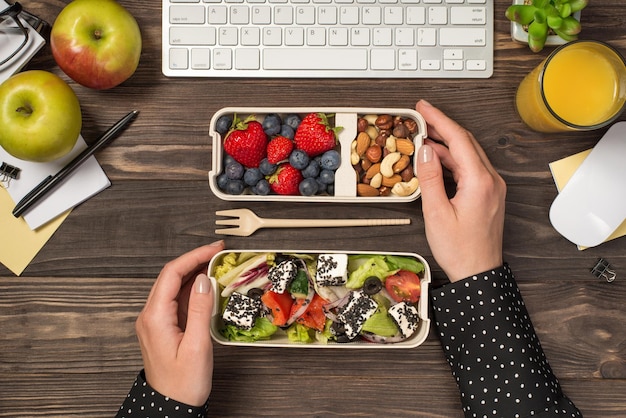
[
  {"x": 266, "y": 167},
  {"x": 272, "y": 124},
  {"x": 261, "y": 188},
  {"x": 311, "y": 170},
  {"x": 252, "y": 176},
  {"x": 308, "y": 187},
  {"x": 327, "y": 176},
  {"x": 222, "y": 180},
  {"x": 293, "y": 120},
  {"x": 299, "y": 159},
  {"x": 223, "y": 124},
  {"x": 331, "y": 189},
  {"x": 234, "y": 170},
  {"x": 287, "y": 131},
  {"x": 228, "y": 159},
  {"x": 321, "y": 187},
  {"x": 331, "y": 160},
  {"x": 235, "y": 187}
]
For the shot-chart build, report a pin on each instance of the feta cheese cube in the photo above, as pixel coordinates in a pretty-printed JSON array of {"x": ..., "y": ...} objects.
[
  {"x": 406, "y": 318},
  {"x": 332, "y": 269},
  {"x": 281, "y": 275},
  {"x": 355, "y": 312},
  {"x": 242, "y": 311}
]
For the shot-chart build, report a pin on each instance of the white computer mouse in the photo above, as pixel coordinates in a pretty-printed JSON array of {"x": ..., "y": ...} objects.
[{"x": 592, "y": 205}]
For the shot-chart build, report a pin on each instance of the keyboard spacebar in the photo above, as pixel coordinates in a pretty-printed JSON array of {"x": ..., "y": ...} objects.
[{"x": 314, "y": 59}]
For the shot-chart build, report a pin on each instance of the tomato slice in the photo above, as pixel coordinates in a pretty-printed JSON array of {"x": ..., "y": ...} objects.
[
  {"x": 314, "y": 316},
  {"x": 404, "y": 286},
  {"x": 279, "y": 304}
]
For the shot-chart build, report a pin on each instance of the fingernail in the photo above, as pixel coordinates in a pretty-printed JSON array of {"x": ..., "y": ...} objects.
[
  {"x": 426, "y": 153},
  {"x": 203, "y": 285},
  {"x": 219, "y": 243},
  {"x": 426, "y": 103}
]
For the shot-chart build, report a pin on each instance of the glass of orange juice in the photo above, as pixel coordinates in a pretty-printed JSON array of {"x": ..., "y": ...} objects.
[{"x": 580, "y": 86}]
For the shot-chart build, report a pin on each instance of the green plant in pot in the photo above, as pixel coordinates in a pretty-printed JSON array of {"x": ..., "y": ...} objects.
[{"x": 543, "y": 17}]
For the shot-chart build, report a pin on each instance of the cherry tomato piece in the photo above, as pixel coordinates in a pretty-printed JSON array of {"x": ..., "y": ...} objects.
[{"x": 403, "y": 286}]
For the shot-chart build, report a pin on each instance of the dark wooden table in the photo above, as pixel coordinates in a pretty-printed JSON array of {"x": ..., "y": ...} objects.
[{"x": 67, "y": 324}]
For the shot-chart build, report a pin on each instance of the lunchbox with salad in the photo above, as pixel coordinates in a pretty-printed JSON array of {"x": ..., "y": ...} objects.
[{"x": 320, "y": 299}]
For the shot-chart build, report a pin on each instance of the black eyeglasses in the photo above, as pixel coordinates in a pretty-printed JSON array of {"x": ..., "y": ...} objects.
[{"x": 11, "y": 14}]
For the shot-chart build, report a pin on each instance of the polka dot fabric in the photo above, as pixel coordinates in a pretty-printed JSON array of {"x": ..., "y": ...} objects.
[
  {"x": 145, "y": 402},
  {"x": 492, "y": 348}
]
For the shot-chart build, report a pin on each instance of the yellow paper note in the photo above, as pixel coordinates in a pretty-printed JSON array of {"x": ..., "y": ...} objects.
[
  {"x": 20, "y": 243},
  {"x": 563, "y": 170}
]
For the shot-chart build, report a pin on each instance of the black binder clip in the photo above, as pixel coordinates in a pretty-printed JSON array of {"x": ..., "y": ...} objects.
[
  {"x": 603, "y": 270},
  {"x": 8, "y": 173}
]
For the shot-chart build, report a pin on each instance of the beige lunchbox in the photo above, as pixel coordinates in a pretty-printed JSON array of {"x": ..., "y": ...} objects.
[
  {"x": 280, "y": 338},
  {"x": 345, "y": 185}
]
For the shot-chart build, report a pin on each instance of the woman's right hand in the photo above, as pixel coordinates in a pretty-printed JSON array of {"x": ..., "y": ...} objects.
[{"x": 464, "y": 232}]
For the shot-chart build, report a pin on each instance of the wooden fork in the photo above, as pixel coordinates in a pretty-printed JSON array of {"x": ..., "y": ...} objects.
[{"x": 247, "y": 222}]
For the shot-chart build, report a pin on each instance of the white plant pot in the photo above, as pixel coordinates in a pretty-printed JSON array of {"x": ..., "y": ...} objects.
[{"x": 519, "y": 34}]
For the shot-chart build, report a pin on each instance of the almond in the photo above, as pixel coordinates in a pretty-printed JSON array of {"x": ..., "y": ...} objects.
[
  {"x": 362, "y": 143},
  {"x": 366, "y": 190},
  {"x": 372, "y": 171},
  {"x": 401, "y": 164},
  {"x": 391, "y": 181},
  {"x": 405, "y": 146}
]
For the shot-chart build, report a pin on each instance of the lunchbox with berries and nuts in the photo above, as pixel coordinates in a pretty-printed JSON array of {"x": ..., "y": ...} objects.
[
  {"x": 320, "y": 299},
  {"x": 316, "y": 154}
]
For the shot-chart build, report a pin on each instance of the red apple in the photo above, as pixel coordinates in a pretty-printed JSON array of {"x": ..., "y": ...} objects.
[{"x": 97, "y": 43}]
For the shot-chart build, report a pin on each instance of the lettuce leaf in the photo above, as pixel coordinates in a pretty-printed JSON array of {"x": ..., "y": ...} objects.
[
  {"x": 298, "y": 333},
  {"x": 262, "y": 330},
  {"x": 373, "y": 266},
  {"x": 381, "y": 323},
  {"x": 396, "y": 262}
]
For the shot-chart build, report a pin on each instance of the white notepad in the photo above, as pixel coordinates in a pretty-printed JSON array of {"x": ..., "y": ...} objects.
[{"x": 88, "y": 180}]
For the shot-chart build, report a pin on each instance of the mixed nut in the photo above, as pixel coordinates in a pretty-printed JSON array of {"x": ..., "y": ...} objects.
[{"x": 382, "y": 155}]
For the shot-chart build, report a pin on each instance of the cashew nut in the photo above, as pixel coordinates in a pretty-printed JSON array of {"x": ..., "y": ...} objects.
[
  {"x": 390, "y": 143},
  {"x": 377, "y": 180},
  {"x": 405, "y": 188},
  {"x": 386, "y": 166}
]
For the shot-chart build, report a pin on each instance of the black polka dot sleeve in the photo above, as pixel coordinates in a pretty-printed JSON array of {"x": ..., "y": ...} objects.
[
  {"x": 143, "y": 402},
  {"x": 492, "y": 348}
]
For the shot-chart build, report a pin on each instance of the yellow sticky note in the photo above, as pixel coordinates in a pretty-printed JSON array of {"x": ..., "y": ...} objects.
[
  {"x": 564, "y": 169},
  {"x": 20, "y": 243}
]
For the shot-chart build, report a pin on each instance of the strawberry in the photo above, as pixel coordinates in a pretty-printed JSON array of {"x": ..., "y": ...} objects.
[
  {"x": 279, "y": 149},
  {"x": 285, "y": 180},
  {"x": 314, "y": 135},
  {"x": 246, "y": 142}
]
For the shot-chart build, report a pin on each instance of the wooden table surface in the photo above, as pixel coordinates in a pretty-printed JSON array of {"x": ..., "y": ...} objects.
[{"x": 67, "y": 324}]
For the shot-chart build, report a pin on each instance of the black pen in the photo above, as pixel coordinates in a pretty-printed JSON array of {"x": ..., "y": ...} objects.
[{"x": 53, "y": 181}]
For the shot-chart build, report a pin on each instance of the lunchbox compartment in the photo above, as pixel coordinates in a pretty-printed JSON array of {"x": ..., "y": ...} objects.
[
  {"x": 280, "y": 339},
  {"x": 345, "y": 176}
]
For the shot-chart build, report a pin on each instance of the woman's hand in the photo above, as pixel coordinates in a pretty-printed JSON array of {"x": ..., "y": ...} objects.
[
  {"x": 464, "y": 232},
  {"x": 173, "y": 328}
]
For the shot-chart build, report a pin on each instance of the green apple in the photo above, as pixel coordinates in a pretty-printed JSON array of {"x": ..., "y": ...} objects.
[
  {"x": 40, "y": 116},
  {"x": 97, "y": 43}
]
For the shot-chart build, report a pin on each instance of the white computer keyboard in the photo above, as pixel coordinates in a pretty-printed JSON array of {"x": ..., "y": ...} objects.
[{"x": 328, "y": 38}]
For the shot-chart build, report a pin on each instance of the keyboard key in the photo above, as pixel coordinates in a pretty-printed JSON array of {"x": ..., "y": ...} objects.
[
  {"x": 314, "y": 59},
  {"x": 247, "y": 59},
  {"x": 188, "y": 35},
  {"x": 187, "y": 14},
  {"x": 476, "y": 65},
  {"x": 222, "y": 59},
  {"x": 178, "y": 59},
  {"x": 407, "y": 59},
  {"x": 383, "y": 59},
  {"x": 200, "y": 58},
  {"x": 468, "y": 16},
  {"x": 462, "y": 37}
]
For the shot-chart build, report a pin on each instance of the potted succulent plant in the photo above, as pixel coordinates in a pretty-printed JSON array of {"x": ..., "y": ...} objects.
[{"x": 545, "y": 22}]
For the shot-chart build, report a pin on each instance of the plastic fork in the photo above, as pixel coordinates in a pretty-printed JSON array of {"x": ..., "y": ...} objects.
[{"x": 246, "y": 222}]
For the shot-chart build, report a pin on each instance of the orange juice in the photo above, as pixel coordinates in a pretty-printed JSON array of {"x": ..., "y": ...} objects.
[{"x": 580, "y": 86}]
